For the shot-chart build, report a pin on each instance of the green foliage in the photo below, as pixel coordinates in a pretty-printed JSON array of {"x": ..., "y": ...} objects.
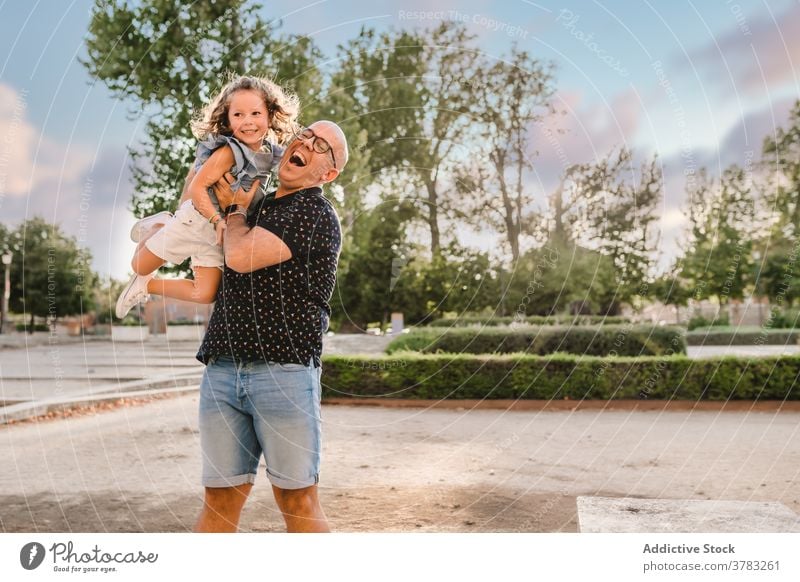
[
  {"x": 605, "y": 340},
  {"x": 383, "y": 272},
  {"x": 51, "y": 275},
  {"x": 367, "y": 275},
  {"x": 787, "y": 319},
  {"x": 719, "y": 260},
  {"x": 558, "y": 278},
  {"x": 700, "y": 321},
  {"x": 132, "y": 321},
  {"x": 477, "y": 320},
  {"x": 781, "y": 162},
  {"x": 739, "y": 336},
  {"x": 26, "y": 327},
  {"x": 604, "y": 205},
  {"x": 560, "y": 376},
  {"x": 780, "y": 275}
]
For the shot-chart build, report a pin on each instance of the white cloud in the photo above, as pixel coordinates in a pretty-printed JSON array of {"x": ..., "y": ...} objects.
[
  {"x": 85, "y": 191},
  {"x": 758, "y": 55},
  {"x": 31, "y": 162}
]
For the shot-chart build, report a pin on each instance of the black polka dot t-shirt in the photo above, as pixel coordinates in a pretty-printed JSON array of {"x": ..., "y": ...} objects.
[{"x": 280, "y": 313}]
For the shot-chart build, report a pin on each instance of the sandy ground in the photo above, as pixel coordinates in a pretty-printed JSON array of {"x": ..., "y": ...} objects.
[{"x": 137, "y": 468}]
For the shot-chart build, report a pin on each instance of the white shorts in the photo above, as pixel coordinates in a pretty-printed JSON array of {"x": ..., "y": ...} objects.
[{"x": 186, "y": 235}]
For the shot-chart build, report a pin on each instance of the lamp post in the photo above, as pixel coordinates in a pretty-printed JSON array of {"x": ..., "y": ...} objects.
[{"x": 6, "y": 258}]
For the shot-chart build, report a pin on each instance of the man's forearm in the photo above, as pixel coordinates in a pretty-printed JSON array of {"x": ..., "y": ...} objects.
[{"x": 236, "y": 235}]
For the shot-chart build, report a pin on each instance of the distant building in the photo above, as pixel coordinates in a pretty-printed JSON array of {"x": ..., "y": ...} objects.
[{"x": 751, "y": 311}]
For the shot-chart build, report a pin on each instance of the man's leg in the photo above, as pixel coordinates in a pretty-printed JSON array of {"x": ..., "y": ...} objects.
[
  {"x": 229, "y": 447},
  {"x": 301, "y": 510},
  {"x": 222, "y": 508}
]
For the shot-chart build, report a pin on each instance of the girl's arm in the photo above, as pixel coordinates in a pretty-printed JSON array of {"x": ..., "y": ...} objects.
[
  {"x": 209, "y": 174},
  {"x": 185, "y": 193}
]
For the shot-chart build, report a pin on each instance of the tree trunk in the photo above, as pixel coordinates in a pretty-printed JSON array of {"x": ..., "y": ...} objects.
[{"x": 433, "y": 219}]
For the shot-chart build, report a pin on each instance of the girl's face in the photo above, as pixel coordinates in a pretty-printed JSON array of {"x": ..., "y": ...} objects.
[{"x": 248, "y": 118}]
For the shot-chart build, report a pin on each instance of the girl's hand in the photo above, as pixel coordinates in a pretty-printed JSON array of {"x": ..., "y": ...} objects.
[{"x": 219, "y": 228}]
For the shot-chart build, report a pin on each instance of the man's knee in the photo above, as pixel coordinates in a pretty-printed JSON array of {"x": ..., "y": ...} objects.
[
  {"x": 221, "y": 498},
  {"x": 296, "y": 501}
]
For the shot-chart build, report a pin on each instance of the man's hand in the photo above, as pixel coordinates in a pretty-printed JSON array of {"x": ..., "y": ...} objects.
[
  {"x": 219, "y": 228},
  {"x": 227, "y": 197}
]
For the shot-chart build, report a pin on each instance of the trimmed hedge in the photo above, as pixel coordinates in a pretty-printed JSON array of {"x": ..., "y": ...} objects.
[
  {"x": 710, "y": 337},
  {"x": 529, "y": 320},
  {"x": 560, "y": 376},
  {"x": 616, "y": 340},
  {"x": 36, "y": 327}
]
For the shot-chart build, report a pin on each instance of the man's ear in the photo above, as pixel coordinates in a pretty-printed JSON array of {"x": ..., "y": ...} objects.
[{"x": 330, "y": 175}]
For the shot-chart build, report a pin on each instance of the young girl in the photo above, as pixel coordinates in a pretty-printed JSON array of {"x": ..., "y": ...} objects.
[{"x": 234, "y": 129}]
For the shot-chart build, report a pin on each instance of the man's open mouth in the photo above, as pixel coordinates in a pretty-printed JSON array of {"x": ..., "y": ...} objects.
[{"x": 297, "y": 160}]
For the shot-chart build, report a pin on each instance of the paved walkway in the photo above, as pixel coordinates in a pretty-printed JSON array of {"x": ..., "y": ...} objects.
[{"x": 137, "y": 468}]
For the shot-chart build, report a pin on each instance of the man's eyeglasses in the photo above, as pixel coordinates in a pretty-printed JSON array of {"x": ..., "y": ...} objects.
[{"x": 318, "y": 144}]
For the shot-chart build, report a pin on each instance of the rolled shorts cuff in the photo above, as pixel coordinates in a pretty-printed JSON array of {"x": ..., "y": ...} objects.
[
  {"x": 235, "y": 481},
  {"x": 283, "y": 483},
  {"x": 208, "y": 260}
]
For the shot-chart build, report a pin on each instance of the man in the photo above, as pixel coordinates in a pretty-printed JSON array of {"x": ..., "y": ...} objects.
[{"x": 261, "y": 389}]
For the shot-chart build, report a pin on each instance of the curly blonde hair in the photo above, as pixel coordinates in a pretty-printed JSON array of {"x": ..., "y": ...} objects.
[{"x": 282, "y": 106}]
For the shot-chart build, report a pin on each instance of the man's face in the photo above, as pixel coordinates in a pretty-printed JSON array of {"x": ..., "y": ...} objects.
[{"x": 302, "y": 166}]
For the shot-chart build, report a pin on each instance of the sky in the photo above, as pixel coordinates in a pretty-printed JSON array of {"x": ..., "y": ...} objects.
[{"x": 700, "y": 84}]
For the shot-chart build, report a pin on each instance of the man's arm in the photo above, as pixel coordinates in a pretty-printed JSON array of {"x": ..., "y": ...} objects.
[{"x": 250, "y": 249}]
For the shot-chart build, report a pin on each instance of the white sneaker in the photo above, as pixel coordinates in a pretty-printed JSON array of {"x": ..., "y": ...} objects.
[
  {"x": 135, "y": 292},
  {"x": 143, "y": 226}
]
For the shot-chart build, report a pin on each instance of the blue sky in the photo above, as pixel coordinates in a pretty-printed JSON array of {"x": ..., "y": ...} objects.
[{"x": 700, "y": 83}]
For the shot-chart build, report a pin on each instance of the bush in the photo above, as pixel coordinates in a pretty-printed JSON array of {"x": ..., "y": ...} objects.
[
  {"x": 700, "y": 321},
  {"x": 131, "y": 321},
  {"x": 36, "y": 327},
  {"x": 560, "y": 377},
  {"x": 604, "y": 340},
  {"x": 743, "y": 336},
  {"x": 783, "y": 319},
  {"x": 529, "y": 320}
]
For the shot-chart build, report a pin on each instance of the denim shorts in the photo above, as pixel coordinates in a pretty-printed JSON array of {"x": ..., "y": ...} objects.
[{"x": 250, "y": 408}]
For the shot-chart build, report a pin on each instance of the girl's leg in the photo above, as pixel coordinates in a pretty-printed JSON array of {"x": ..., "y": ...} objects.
[
  {"x": 203, "y": 289},
  {"x": 145, "y": 261}
]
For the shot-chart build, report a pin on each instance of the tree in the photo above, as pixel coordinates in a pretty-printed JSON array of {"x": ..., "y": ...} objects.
[
  {"x": 50, "y": 274},
  {"x": 459, "y": 280},
  {"x": 671, "y": 288},
  {"x": 370, "y": 270},
  {"x": 781, "y": 162},
  {"x": 508, "y": 97},
  {"x": 617, "y": 210},
  {"x": 411, "y": 93},
  {"x": 718, "y": 260},
  {"x": 609, "y": 207},
  {"x": 779, "y": 276},
  {"x": 559, "y": 278},
  {"x": 169, "y": 58}
]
